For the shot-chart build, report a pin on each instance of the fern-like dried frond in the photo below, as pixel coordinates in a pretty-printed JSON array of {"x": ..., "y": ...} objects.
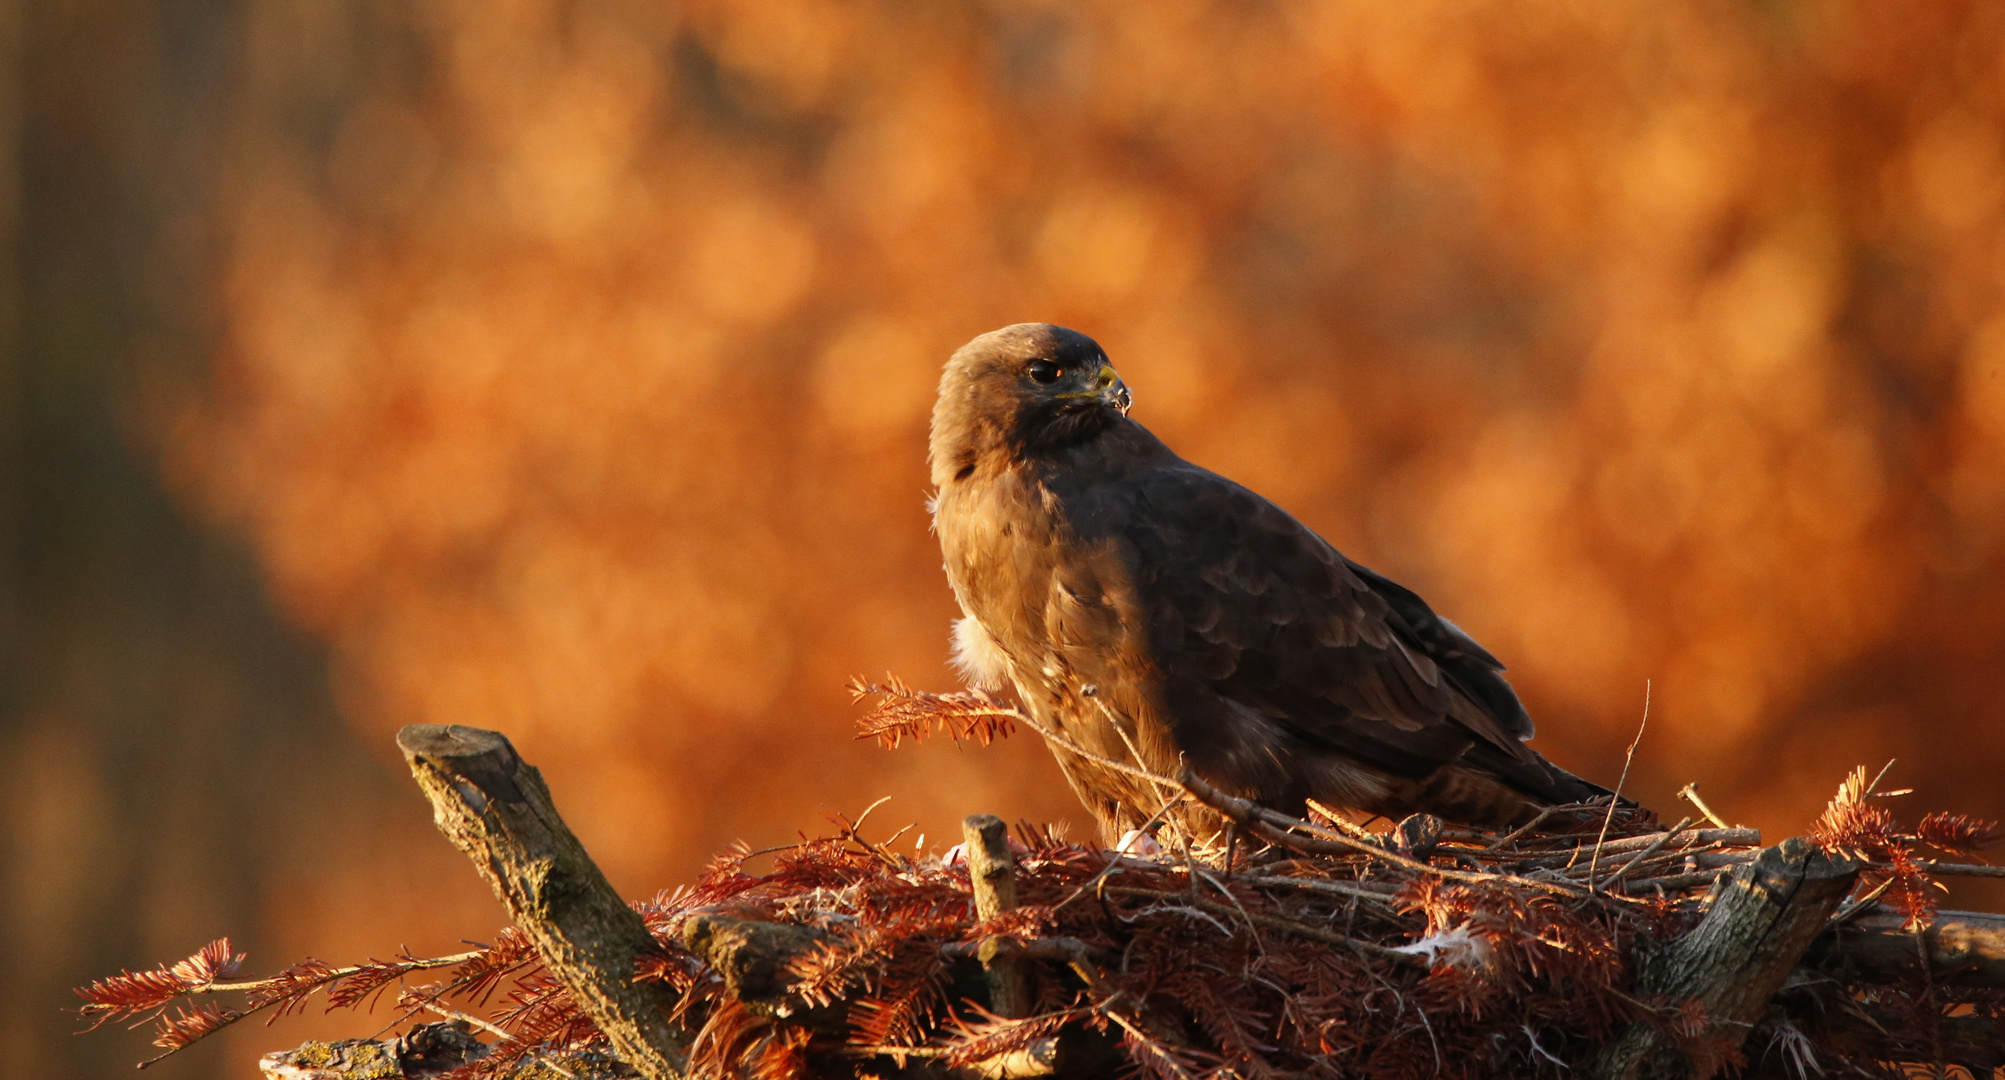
[
  {"x": 896, "y": 1016},
  {"x": 719, "y": 1044},
  {"x": 478, "y": 977},
  {"x": 365, "y": 983},
  {"x": 989, "y": 1036},
  {"x": 538, "y": 1009},
  {"x": 130, "y": 993},
  {"x": 779, "y": 1054},
  {"x": 214, "y": 961},
  {"x": 822, "y": 974},
  {"x": 290, "y": 990},
  {"x": 1957, "y": 832},
  {"x": 1851, "y": 824},
  {"x": 185, "y": 1027},
  {"x": 904, "y": 713}
]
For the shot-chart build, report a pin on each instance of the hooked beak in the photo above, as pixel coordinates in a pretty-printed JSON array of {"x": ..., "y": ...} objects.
[{"x": 1112, "y": 391}]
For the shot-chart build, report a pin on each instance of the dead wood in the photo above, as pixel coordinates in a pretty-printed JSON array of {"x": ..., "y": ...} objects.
[
  {"x": 1727, "y": 968},
  {"x": 992, "y": 876},
  {"x": 494, "y": 807},
  {"x": 1965, "y": 949}
]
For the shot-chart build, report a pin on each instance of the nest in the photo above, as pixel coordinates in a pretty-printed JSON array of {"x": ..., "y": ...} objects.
[{"x": 1296, "y": 947}]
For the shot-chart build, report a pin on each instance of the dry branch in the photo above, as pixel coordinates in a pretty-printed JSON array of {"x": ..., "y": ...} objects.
[
  {"x": 494, "y": 807},
  {"x": 1965, "y": 949}
]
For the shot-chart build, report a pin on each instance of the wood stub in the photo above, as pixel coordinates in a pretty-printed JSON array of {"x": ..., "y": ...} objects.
[
  {"x": 1761, "y": 920},
  {"x": 494, "y": 807},
  {"x": 991, "y": 867},
  {"x": 992, "y": 877}
]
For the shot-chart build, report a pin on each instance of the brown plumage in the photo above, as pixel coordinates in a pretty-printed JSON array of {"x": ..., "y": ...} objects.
[{"x": 1148, "y": 608}]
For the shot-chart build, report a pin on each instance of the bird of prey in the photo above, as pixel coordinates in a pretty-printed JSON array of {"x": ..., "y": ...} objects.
[{"x": 1152, "y": 611}]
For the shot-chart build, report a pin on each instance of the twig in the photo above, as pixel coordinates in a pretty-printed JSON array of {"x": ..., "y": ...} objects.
[
  {"x": 1679, "y": 881},
  {"x": 1855, "y": 908},
  {"x": 1334, "y": 888},
  {"x": 1690, "y": 793},
  {"x": 1616, "y": 798},
  {"x": 1623, "y": 870},
  {"x": 1698, "y": 841},
  {"x": 854, "y": 830},
  {"x": 1521, "y": 830},
  {"x": 867, "y": 811},
  {"x": 469, "y": 1019},
  {"x": 1342, "y": 825},
  {"x": 426, "y": 964},
  {"x": 1947, "y": 869},
  {"x": 1121, "y": 851},
  {"x": 1258, "y": 945},
  {"x": 1879, "y": 776},
  {"x": 1263, "y": 822},
  {"x": 1273, "y": 922},
  {"x": 1074, "y": 748}
]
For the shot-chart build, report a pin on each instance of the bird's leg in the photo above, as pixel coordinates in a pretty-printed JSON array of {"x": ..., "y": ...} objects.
[{"x": 1231, "y": 844}]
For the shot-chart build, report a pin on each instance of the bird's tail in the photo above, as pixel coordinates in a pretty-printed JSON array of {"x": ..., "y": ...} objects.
[{"x": 1537, "y": 784}]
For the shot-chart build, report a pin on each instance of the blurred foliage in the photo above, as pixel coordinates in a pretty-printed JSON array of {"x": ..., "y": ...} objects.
[{"x": 566, "y": 365}]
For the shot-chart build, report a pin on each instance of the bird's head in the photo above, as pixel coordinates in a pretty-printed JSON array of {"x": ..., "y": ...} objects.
[{"x": 1028, "y": 387}]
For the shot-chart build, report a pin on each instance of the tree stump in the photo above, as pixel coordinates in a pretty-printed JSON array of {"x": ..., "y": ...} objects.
[{"x": 1762, "y": 919}]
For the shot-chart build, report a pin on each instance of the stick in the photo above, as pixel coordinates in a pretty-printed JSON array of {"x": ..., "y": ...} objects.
[
  {"x": 493, "y": 806},
  {"x": 1615, "y": 797},
  {"x": 1694, "y": 839},
  {"x": 1272, "y": 825},
  {"x": 1623, "y": 870},
  {"x": 1948, "y": 869},
  {"x": 1273, "y": 922},
  {"x": 1690, "y": 793},
  {"x": 992, "y": 874}
]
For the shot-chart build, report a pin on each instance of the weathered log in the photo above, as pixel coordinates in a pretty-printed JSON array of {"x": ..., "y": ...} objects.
[
  {"x": 992, "y": 877},
  {"x": 1761, "y": 920},
  {"x": 1965, "y": 949},
  {"x": 494, "y": 807}
]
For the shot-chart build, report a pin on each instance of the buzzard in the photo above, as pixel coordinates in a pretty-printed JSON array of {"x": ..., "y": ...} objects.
[{"x": 1148, "y": 610}]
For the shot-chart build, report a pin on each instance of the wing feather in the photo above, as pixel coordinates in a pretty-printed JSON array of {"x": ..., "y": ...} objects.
[{"x": 1270, "y": 617}]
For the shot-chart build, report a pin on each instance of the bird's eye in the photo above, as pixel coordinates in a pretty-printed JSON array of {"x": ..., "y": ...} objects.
[{"x": 1045, "y": 371}]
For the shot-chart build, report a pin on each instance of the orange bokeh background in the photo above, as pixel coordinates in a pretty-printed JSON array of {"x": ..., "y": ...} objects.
[{"x": 564, "y": 369}]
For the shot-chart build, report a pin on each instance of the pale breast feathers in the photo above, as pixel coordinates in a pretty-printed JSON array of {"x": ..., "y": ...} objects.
[{"x": 977, "y": 658}]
